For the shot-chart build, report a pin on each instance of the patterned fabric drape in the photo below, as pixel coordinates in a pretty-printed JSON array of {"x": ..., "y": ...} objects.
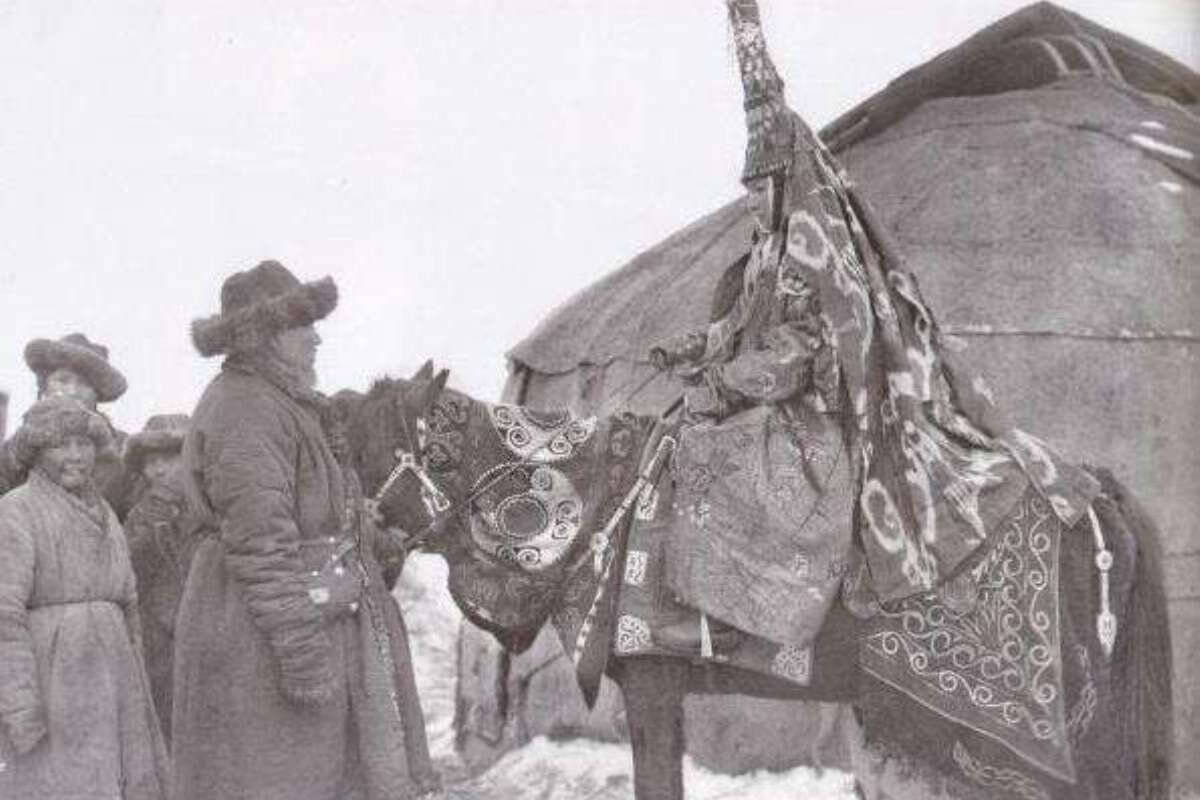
[{"x": 937, "y": 466}]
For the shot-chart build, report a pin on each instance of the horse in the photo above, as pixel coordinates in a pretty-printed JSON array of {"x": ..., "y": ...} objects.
[{"x": 532, "y": 511}]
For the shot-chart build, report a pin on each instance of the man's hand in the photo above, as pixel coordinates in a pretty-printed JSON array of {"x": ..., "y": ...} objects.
[{"x": 677, "y": 350}]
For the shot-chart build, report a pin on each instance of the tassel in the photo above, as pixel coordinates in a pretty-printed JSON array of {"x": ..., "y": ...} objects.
[{"x": 1106, "y": 621}]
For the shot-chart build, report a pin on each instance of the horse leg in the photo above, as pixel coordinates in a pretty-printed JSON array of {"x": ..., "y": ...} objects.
[{"x": 654, "y": 688}]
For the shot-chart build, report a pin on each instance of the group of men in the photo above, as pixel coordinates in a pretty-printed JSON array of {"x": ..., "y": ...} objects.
[
  {"x": 277, "y": 658},
  {"x": 139, "y": 478}
]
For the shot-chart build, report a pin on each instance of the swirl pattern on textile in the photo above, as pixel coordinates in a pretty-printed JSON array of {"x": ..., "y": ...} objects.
[
  {"x": 984, "y": 655},
  {"x": 793, "y": 663},
  {"x": 990, "y": 660},
  {"x": 633, "y": 635},
  {"x": 531, "y": 526},
  {"x": 540, "y": 436}
]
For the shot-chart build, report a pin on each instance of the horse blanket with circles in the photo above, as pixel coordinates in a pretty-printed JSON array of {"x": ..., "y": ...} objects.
[{"x": 553, "y": 535}]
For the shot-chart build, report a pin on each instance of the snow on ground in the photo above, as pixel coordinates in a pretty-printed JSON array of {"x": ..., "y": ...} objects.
[
  {"x": 589, "y": 770},
  {"x": 578, "y": 769}
]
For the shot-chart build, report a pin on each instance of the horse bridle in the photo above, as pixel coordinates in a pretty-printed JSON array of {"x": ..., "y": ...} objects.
[
  {"x": 435, "y": 500},
  {"x": 437, "y": 504}
]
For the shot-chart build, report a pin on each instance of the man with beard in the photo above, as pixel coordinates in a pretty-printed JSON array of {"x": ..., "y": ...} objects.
[{"x": 293, "y": 679}]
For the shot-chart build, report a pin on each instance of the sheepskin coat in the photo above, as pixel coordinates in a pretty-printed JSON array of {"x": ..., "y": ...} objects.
[
  {"x": 277, "y": 698},
  {"x": 70, "y": 655}
]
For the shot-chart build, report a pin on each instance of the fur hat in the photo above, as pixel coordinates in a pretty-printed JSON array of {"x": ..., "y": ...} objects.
[
  {"x": 50, "y": 421},
  {"x": 258, "y": 303},
  {"x": 164, "y": 433},
  {"x": 76, "y": 353},
  {"x": 770, "y": 124}
]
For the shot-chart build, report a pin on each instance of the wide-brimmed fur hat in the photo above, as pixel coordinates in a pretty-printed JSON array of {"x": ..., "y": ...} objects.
[
  {"x": 164, "y": 433},
  {"x": 258, "y": 303},
  {"x": 75, "y": 352},
  {"x": 50, "y": 421}
]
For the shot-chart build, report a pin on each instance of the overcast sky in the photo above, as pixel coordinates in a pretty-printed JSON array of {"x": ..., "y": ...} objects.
[{"x": 460, "y": 168}]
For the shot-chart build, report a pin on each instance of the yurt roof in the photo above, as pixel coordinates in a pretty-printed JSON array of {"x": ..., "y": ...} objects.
[{"x": 978, "y": 156}]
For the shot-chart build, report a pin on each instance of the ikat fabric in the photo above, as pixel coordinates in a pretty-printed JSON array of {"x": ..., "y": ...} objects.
[{"x": 936, "y": 464}]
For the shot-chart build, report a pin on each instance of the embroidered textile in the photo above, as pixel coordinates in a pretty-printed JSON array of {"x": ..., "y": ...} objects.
[
  {"x": 936, "y": 463},
  {"x": 996, "y": 666},
  {"x": 824, "y": 668},
  {"x": 542, "y": 484},
  {"x": 764, "y": 521}
]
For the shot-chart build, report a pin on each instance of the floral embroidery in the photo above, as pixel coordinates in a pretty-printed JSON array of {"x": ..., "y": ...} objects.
[
  {"x": 793, "y": 663},
  {"x": 633, "y": 635},
  {"x": 635, "y": 567}
]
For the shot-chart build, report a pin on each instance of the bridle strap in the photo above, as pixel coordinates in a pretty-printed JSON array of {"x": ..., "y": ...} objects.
[
  {"x": 407, "y": 462},
  {"x": 435, "y": 499}
]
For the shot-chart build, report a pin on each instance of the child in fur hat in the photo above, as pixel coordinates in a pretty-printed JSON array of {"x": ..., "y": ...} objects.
[{"x": 76, "y": 718}]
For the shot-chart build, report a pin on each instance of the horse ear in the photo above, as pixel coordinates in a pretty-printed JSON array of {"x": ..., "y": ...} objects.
[
  {"x": 434, "y": 389},
  {"x": 425, "y": 372}
]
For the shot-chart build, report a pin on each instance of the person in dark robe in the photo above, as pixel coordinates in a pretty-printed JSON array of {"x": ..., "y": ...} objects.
[
  {"x": 293, "y": 678},
  {"x": 162, "y": 536}
]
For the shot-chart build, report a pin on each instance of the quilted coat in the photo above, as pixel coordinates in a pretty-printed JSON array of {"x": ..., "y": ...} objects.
[
  {"x": 77, "y": 717},
  {"x": 277, "y": 697}
]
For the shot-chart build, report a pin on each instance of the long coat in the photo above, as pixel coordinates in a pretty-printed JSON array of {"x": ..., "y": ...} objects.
[
  {"x": 162, "y": 538},
  {"x": 70, "y": 655},
  {"x": 277, "y": 698}
]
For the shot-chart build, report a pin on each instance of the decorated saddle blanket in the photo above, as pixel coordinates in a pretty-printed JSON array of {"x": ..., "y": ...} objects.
[
  {"x": 986, "y": 650},
  {"x": 759, "y": 532},
  {"x": 543, "y": 488},
  {"x": 540, "y": 542},
  {"x": 698, "y": 540}
]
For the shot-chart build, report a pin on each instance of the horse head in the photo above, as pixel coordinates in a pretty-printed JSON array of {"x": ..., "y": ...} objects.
[
  {"x": 388, "y": 433},
  {"x": 409, "y": 438}
]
